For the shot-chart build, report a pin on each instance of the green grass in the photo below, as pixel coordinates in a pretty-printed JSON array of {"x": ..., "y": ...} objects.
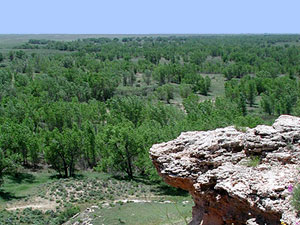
[
  {"x": 144, "y": 213},
  {"x": 22, "y": 186},
  {"x": 92, "y": 188},
  {"x": 295, "y": 201},
  {"x": 254, "y": 161},
  {"x": 217, "y": 87}
]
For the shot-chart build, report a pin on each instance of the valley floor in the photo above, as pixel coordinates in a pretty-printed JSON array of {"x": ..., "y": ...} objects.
[{"x": 90, "y": 198}]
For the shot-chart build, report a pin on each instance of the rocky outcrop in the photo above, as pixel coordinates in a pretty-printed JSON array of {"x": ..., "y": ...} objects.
[{"x": 219, "y": 170}]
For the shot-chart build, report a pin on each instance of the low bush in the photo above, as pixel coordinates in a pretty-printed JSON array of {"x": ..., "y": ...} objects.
[
  {"x": 296, "y": 198},
  {"x": 254, "y": 161}
]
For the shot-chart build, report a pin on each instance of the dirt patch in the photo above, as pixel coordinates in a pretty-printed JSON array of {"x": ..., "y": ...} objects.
[{"x": 35, "y": 203}]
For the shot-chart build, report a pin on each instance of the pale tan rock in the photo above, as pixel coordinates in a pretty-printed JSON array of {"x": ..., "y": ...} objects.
[{"x": 212, "y": 166}]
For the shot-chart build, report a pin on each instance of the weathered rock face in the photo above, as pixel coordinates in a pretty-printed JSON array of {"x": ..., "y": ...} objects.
[{"x": 214, "y": 167}]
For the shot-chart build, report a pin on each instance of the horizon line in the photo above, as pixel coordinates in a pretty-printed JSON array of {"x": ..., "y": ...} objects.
[{"x": 150, "y": 33}]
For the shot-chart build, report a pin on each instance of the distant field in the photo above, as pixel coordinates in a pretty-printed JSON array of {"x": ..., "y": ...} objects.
[
  {"x": 11, "y": 40},
  {"x": 8, "y": 41}
]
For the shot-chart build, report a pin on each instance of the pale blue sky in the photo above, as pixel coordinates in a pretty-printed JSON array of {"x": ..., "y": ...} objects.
[{"x": 149, "y": 16}]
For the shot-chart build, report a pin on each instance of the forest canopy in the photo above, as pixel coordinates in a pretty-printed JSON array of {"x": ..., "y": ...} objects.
[{"x": 101, "y": 103}]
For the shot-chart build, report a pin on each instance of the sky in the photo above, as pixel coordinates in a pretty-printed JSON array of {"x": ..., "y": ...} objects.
[{"x": 149, "y": 16}]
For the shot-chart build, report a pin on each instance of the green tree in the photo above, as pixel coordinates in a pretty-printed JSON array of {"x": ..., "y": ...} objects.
[
  {"x": 242, "y": 104},
  {"x": 198, "y": 82},
  {"x": 147, "y": 77},
  {"x": 165, "y": 92},
  {"x": 185, "y": 90},
  {"x": 1, "y": 57},
  {"x": 9, "y": 163},
  {"x": 251, "y": 92},
  {"x": 89, "y": 147},
  {"x": 127, "y": 108},
  {"x": 267, "y": 104},
  {"x": 19, "y": 139},
  {"x": 63, "y": 150},
  {"x": 119, "y": 149},
  {"x": 102, "y": 86}
]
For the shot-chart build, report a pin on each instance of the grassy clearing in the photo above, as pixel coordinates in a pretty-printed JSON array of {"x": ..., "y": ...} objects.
[
  {"x": 217, "y": 87},
  {"x": 143, "y": 213},
  {"x": 256, "y": 110},
  {"x": 34, "y": 198},
  {"x": 23, "y": 186}
]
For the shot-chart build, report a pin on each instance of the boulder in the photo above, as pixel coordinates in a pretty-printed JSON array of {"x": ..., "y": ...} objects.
[{"x": 235, "y": 176}]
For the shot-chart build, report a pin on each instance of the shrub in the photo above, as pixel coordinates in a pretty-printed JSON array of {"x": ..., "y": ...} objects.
[
  {"x": 253, "y": 161},
  {"x": 185, "y": 90},
  {"x": 241, "y": 129},
  {"x": 121, "y": 221},
  {"x": 296, "y": 197},
  {"x": 68, "y": 213}
]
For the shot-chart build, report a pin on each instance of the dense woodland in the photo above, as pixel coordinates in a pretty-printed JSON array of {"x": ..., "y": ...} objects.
[{"x": 101, "y": 103}]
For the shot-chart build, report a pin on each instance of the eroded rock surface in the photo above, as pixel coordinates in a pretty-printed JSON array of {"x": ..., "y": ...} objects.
[{"x": 214, "y": 167}]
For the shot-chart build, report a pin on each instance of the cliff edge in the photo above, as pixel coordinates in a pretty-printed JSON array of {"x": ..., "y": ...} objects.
[{"x": 235, "y": 176}]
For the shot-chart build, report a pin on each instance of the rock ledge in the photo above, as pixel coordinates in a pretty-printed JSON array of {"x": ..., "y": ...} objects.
[{"x": 214, "y": 167}]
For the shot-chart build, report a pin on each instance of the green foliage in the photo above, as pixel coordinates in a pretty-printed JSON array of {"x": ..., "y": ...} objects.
[
  {"x": 165, "y": 92},
  {"x": 104, "y": 101},
  {"x": 185, "y": 90},
  {"x": 102, "y": 86},
  {"x": 237, "y": 70},
  {"x": 67, "y": 214},
  {"x": 147, "y": 77},
  {"x": 130, "y": 108},
  {"x": 63, "y": 150},
  {"x": 280, "y": 96},
  {"x": 254, "y": 161},
  {"x": 198, "y": 83},
  {"x": 9, "y": 163},
  {"x": 296, "y": 198},
  {"x": 89, "y": 148},
  {"x": 30, "y": 216},
  {"x": 251, "y": 92},
  {"x": 119, "y": 148},
  {"x": 243, "y": 91},
  {"x": 208, "y": 114},
  {"x": 18, "y": 139},
  {"x": 242, "y": 104}
]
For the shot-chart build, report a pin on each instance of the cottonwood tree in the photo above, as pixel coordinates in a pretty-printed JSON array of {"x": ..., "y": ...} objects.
[
  {"x": 89, "y": 148},
  {"x": 19, "y": 139},
  {"x": 119, "y": 149},
  {"x": 251, "y": 92},
  {"x": 9, "y": 162},
  {"x": 63, "y": 150}
]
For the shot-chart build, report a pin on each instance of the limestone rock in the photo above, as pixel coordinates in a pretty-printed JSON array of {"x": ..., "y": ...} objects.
[{"x": 214, "y": 167}]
